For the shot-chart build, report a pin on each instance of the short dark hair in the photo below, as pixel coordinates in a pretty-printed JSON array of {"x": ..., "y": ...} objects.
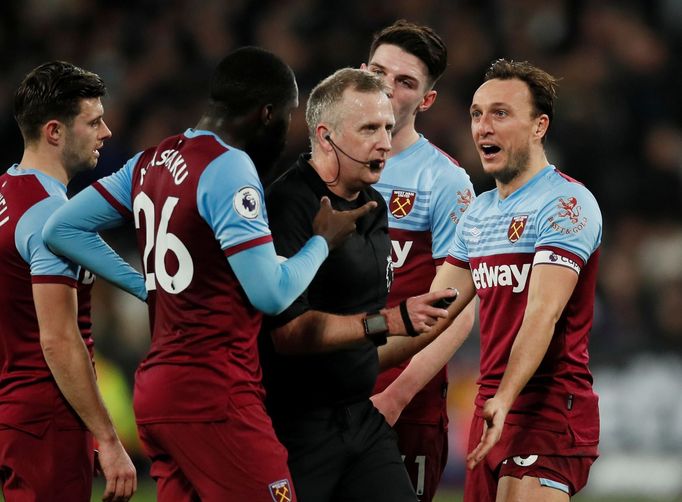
[
  {"x": 326, "y": 95},
  {"x": 53, "y": 90},
  {"x": 542, "y": 85},
  {"x": 251, "y": 77},
  {"x": 418, "y": 40}
]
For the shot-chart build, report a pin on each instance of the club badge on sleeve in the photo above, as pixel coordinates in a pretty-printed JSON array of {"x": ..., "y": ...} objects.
[{"x": 464, "y": 199}]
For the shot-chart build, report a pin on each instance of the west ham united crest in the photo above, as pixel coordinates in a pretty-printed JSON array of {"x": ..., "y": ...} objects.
[
  {"x": 401, "y": 203},
  {"x": 516, "y": 227},
  {"x": 281, "y": 491}
]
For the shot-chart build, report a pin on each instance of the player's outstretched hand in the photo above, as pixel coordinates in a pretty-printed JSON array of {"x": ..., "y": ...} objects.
[
  {"x": 336, "y": 226},
  {"x": 494, "y": 414},
  {"x": 118, "y": 471}
]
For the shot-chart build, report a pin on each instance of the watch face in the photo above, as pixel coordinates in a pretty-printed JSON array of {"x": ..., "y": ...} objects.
[{"x": 376, "y": 323}]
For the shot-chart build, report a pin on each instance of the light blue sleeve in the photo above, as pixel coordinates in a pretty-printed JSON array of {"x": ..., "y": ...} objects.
[
  {"x": 230, "y": 199},
  {"x": 452, "y": 193},
  {"x": 72, "y": 231},
  {"x": 119, "y": 184},
  {"x": 570, "y": 220},
  {"x": 458, "y": 248},
  {"x": 30, "y": 244},
  {"x": 271, "y": 284}
]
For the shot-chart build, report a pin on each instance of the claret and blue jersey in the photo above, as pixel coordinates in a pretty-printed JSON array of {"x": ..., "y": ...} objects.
[
  {"x": 194, "y": 200},
  {"x": 554, "y": 220},
  {"x": 427, "y": 193},
  {"x": 29, "y": 396}
]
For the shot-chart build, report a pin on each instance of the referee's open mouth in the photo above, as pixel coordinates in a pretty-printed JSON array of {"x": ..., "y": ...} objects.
[{"x": 376, "y": 165}]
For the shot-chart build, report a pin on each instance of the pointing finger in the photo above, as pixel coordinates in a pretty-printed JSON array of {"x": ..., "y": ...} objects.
[{"x": 363, "y": 210}]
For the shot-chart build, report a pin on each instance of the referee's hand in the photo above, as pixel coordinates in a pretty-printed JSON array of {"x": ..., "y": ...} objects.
[{"x": 336, "y": 226}]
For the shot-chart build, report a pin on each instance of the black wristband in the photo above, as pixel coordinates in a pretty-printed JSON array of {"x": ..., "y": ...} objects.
[
  {"x": 375, "y": 328},
  {"x": 409, "y": 328}
]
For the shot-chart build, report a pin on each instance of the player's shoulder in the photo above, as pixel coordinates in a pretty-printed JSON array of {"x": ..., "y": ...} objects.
[
  {"x": 35, "y": 186},
  {"x": 484, "y": 200},
  {"x": 436, "y": 156},
  {"x": 558, "y": 184},
  {"x": 556, "y": 179},
  {"x": 443, "y": 166}
]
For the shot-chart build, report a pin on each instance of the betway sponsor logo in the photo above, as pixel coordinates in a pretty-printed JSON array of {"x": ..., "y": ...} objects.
[{"x": 501, "y": 275}]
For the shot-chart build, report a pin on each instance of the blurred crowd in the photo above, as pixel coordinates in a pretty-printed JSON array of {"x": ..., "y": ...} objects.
[{"x": 617, "y": 127}]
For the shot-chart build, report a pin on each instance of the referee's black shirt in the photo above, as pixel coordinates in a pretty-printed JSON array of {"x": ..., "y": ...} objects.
[{"x": 354, "y": 278}]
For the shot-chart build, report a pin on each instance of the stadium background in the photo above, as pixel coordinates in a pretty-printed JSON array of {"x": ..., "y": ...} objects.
[{"x": 617, "y": 129}]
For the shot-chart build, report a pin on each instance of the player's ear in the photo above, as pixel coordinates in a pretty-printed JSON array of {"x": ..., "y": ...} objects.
[
  {"x": 541, "y": 126},
  {"x": 53, "y": 130},
  {"x": 428, "y": 100},
  {"x": 266, "y": 113}
]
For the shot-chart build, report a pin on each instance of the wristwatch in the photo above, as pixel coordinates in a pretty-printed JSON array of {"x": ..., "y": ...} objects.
[{"x": 375, "y": 328}]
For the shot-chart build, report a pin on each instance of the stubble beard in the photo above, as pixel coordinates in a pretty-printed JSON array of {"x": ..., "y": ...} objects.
[
  {"x": 76, "y": 161},
  {"x": 518, "y": 163}
]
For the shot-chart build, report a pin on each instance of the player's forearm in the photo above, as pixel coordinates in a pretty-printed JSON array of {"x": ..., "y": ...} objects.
[
  {"x": 70, "y": 364},
  {"x": 548, "y": 292},
  {"x": 528, "y": 350},
  {"x": 72, "y": 232},
  {"x": 399, "y": 349},
  {"x": 429, "y": 361},
  {"x": 272, "y": 285}
]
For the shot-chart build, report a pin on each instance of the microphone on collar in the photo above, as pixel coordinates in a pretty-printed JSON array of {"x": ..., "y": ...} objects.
[{"x": 372, "y": 164}]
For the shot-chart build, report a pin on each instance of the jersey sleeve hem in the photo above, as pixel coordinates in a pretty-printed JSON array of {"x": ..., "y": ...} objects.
[
  {"x": 247, "y": 245},
  {"x": 456, "y": 262},
  {"x": 112, "y": 200},
  {"x": 54, "y": 279}
]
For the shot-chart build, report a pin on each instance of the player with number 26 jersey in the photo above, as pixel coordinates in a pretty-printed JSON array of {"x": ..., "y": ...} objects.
[
  {"x": 195, "y": 201},
  {"x": 194, "y": 297}
]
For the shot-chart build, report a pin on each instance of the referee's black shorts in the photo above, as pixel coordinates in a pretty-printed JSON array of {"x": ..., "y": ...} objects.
[{"x": 345, "y": 454}]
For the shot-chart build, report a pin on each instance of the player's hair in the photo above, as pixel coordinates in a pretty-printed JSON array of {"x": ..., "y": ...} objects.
[
  {"x": 325, "y": 96},
  {"x": 418, "y": 40},
  {"x": 53, "y": 91},
  {"x": 249, "y": 78},
  {"x": 542, "y": 85}
]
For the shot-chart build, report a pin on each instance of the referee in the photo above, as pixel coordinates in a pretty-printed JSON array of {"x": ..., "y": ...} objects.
[{"x": 319, "y": 356}]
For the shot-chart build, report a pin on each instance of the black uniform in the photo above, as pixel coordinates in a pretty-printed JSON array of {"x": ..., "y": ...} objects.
[{"x": 340, "y": 447}]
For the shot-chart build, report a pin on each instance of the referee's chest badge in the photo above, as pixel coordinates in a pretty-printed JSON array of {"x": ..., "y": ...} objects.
[
  {"x": 516, "y": 227},
  {"x": 401, "y": 203}
]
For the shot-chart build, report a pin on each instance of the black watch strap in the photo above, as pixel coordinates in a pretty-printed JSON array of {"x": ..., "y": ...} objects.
[{"x": 375, "y": 328}]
